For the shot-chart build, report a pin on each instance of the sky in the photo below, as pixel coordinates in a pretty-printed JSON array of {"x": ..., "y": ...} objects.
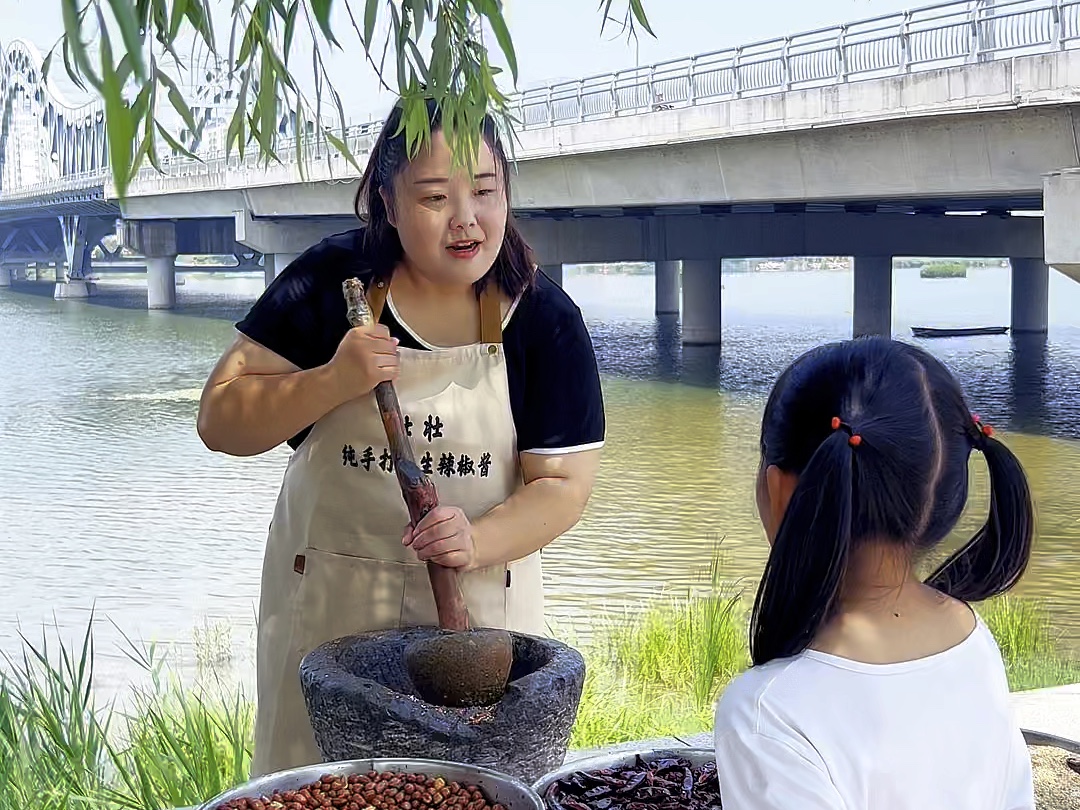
[{"x": 554, "y": 39}]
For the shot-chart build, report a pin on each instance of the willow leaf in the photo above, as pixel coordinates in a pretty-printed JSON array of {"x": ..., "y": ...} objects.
[
  {"x": 322, "y": 16},
  {"x": 343, "y": 148},
  {"x": 179, "y": 12},
  {"x": 46, "y": 63},
  {"x": 290, "y": 28},
  {"x": 298, "y": 133},
  {"x": 177, "y": 100},
  {"x": 151, "y": 145},
  {"x": 72, "y": 73},
  {"x": 639, "y": 12},
  {"x": 418, "y": 61},
  {"x": 247, "y": 44},
  {"x": 267, "y": 102},
  {"x": 124, "y": 14},
  {"x": 198, "y": 14},
  {"x": 371, "y": 13},
  {"x": 118, "y": 119},
  {"x": 175, "y": 144},
  {"x": 73, "y": 39},
  {"x": 491, "y": 9}
]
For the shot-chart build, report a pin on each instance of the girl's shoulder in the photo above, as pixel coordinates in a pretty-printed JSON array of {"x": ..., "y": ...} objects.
[{"x": 743, "y": 700}]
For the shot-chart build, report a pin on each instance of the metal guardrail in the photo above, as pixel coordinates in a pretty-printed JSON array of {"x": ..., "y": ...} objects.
[
  {"x": 942, "y": 35},
  {"x": 83, "y": 181},
  {"x": 936, "y": 36}
]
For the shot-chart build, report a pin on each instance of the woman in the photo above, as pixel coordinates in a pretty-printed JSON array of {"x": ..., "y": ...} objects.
[
  {"x": 497, "y": 379},
  {"x": 873, "y": 689}
]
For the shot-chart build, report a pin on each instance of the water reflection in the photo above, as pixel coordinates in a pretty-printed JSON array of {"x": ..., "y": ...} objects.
[
  {"x": 668, "y": 347},
  {"x": 701, "y": 366},
  {"x": 1030, "y": 372}
]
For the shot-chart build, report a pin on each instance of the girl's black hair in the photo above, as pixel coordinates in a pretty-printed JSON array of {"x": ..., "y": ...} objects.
[
  {"x": 905, "y": 481},
  {"x": 514, "y": 269}
]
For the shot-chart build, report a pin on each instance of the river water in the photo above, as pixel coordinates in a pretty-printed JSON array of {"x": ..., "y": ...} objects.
[{"x": 111, "y": 504}]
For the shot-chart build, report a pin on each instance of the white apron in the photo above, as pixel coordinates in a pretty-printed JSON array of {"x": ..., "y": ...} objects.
[{"x": 334, "y": 562}]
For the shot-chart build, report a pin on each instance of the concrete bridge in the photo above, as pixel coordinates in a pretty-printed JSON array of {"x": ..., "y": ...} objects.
[{"x": 946, "y": 131}]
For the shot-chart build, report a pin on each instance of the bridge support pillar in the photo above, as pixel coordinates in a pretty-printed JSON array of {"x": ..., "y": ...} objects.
[
  {"x": 80, "y": 234},
  {"x": 1061, "y": 207},
  {"x": 68, "y": 287},
  {"x": 667, "y": 287},
  {"x": 873, "y": 296},
  {"x": 156, "y": 241},
  {"x": 1030, "y": 296},
  {"x": 161, "y": 282},
  {"x": 6, "y": 274},
  {"x": 701, "y": 303},
  {"x": 554, "y": 272},
  {"x": 275, "y": 265}
]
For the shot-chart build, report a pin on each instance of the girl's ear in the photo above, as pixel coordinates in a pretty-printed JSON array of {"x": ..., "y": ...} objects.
[
  {"x": 779, "y": 486},
  {"x": 388, "y": 204}
]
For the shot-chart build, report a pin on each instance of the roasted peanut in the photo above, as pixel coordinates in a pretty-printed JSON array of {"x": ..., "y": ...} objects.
[{"x": 371, "y": 791}]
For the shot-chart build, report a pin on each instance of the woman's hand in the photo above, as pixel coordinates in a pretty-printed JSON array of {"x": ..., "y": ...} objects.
[
  {"x": 445, "y": 537},
  {"x": 365, "y": 357}
]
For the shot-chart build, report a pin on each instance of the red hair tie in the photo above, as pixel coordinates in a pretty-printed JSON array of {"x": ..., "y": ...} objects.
[
  {"x": 985, "y": 430},
  {"x": 854, "y": 439}
]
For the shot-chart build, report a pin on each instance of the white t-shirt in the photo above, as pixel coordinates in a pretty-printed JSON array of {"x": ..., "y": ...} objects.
[{"x": 819, "y": 732}]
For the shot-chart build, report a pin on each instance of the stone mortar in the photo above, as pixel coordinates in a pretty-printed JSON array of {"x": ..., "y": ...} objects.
[{"x": 362, "y": 704}]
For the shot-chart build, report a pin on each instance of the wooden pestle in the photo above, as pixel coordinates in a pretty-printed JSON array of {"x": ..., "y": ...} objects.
[{"x": 416, "y": 488}]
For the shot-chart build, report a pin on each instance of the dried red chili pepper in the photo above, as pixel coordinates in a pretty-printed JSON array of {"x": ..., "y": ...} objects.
[{"x": 669, "y": 782}]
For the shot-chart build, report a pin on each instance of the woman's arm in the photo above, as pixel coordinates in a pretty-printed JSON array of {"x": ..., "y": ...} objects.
[
  {"x": 551, "y": 500},
  {"x": 255, "y": 399},
  {"x": 558, "y": 410},
  {"x": 554, "y": 495}
]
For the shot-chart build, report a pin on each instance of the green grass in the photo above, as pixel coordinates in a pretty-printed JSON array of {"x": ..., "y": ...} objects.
[
  {"x": 944, "y": 270},
  {"x": 61, "y": 751},
  {"x": 650, "y": 674},
  {"x": 1028, "y": 643},
  {"x": 658, "y": 672}
]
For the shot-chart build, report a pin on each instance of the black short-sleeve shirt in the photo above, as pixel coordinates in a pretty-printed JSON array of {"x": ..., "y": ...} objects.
[{"x": 554, "y": 383}]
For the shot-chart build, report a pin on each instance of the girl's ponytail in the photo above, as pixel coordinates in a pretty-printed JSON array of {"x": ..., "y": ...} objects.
[
  {"x": 809, "y": 555},
  {"x": 997, "y": 556}
]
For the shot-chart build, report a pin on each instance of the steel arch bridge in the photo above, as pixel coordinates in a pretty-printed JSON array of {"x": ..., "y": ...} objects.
[{"x": 47, "y": 144}]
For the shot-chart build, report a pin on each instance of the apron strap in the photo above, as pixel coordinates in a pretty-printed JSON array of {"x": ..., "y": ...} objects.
[
  {"x": 490, "y": 314},
  {"x": 376, "y": 297},
  {"x": 490, "y": 309}
]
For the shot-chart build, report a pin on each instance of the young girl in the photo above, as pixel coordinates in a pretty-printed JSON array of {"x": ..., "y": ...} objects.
[{"x": 870, "y": 689}]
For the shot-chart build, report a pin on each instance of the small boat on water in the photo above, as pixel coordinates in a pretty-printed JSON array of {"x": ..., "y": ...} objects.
[{"x": 960, "y": 331}]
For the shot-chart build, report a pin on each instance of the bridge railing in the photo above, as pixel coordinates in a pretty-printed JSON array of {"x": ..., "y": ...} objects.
[
  {"x": 936, "y": 36},
  {"x": 79, "y": 182},
  {"x": 950, "y": 33},
  {"x": 229, "y": 170}
]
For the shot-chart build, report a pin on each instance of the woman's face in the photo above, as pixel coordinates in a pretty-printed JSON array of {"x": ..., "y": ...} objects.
[{"x": 451, "y": 227}]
